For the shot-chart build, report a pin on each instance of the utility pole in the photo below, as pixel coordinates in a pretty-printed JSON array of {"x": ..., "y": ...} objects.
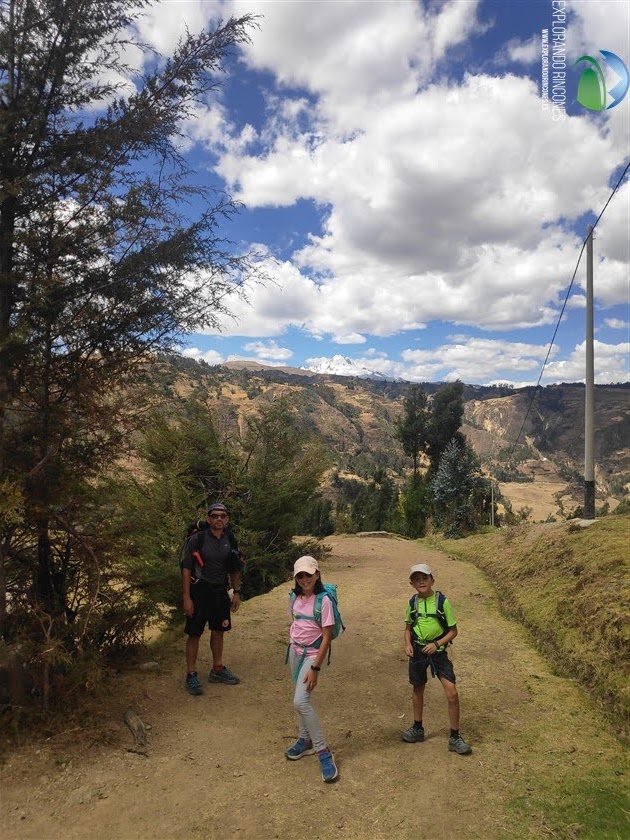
[{"x": 589, "y": 397}]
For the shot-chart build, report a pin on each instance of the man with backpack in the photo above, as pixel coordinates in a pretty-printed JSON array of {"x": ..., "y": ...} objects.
[{"x": 210, "y": 565}]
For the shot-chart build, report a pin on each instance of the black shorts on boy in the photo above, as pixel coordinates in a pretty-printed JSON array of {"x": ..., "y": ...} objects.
[{"x": 440, "y": 664}]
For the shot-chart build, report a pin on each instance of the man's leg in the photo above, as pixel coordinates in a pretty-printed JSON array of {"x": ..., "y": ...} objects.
[
  {"x": 192, "y": 649},
  {"x": 216, "y": 647},
  {"x": 193, "y": 686}
]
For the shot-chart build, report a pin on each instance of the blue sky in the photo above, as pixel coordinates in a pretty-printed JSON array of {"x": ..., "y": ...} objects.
[{"x": 418, "y": 204}]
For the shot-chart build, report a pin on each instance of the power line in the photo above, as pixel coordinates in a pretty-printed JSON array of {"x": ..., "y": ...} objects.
[{"x": 555, "y": 332}]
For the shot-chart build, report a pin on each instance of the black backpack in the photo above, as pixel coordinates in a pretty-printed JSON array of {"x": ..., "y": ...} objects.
[{"x": 200, "y": 528}]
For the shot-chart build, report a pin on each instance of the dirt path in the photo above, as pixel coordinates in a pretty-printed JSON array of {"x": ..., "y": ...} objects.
[{"x": 215, "y": 765}]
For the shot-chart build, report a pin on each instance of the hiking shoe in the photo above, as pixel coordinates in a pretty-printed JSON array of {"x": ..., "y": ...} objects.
[
  {"x": 413, "y": 735},
  {"x": 300, "y": 748},
  {"x": 327, "y": 765},
  {"x": 223, "y": 676},
  {"x": 459, "y": 746},
  {"x": 193, "y": 686}
]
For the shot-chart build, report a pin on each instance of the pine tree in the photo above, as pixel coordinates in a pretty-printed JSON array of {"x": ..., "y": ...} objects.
[
  {"x": 447, "y": 411},
  {"x": 102, "y": 260},
  {"x": 411, "y": 429},
  {"x": 458, "y": 490}
]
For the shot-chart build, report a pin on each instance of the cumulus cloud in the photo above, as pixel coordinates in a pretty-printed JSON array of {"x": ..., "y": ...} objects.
[
  {"x": 486, "y": 362},
  {"x": 268, "y": 351},
  {"x": 440, "y": 198},
  {"x": 521, "y": 52},
  {"x": 351, "y": 338},
  {"x": 426, "y": 221},
  {"x": 212, "y": 357}
]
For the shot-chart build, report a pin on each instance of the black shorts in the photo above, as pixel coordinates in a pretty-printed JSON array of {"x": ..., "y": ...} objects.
[
  {"x": 212, "y": 607},
  {"x": 418, "y": 666}
]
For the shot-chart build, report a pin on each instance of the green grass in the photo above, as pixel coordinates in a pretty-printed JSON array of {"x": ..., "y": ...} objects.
[
  {"x": 592, "y": 806},
  {"x": 570, "y": 587}
]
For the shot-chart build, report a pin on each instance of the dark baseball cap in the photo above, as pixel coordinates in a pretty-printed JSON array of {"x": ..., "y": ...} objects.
[{"x": 218, "y": 507}]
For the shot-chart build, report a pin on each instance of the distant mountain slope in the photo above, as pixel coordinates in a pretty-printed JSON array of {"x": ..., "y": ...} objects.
[{"x": 353, "y": 417}]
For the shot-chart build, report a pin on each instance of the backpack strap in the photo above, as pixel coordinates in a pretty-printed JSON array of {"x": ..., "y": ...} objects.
[
  {"x": 413, "y": 608},
  {"x": 439, "y": 613},
  {"x": 198, "y": 546},
  {"x": 317, "y": 609},
  {"x": 317, "y": 617}
]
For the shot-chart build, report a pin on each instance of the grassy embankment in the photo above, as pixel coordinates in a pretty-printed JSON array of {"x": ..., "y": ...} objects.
[{"x": 569, "y": 586}]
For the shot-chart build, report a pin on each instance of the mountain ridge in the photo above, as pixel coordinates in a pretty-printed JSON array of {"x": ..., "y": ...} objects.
[{"x": 353, "y": 418}]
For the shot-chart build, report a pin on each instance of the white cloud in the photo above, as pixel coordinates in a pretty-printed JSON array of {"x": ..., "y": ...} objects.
[
  {"x": 426, "y": 222},
  {"x": 440, "y": 200},
  {"x": 617, "y": 324},
  {"x": 269, "y": 350},
  {"x": 351, "y": 338},
  {"x": 610, "y": 364},
  {"x": 521, "y": 52},
  {"x": 162, "y": 25},
  {"x": 486, "y": 361},
  {"x": 212, "y": 357}
]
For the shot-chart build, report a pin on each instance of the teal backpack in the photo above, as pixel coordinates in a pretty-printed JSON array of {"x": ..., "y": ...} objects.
[{"x": 338, "y": 627}]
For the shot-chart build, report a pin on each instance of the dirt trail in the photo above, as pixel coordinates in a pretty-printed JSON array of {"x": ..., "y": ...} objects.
[{"x": 215, "y": 765}]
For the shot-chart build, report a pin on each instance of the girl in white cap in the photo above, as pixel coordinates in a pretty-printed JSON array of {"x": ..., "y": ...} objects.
[{"x": 310, "y": 639}]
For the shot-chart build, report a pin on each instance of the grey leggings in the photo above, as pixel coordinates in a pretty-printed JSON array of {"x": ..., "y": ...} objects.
[{"x": 309, "y": 727}]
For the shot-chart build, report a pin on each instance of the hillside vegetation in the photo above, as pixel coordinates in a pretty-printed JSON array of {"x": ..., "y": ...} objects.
[
  {"x": 570, "y": 586},
  {"x": 530, "y": 440}
]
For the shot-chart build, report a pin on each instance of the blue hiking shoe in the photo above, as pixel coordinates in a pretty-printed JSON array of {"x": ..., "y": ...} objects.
[
  {"x": 193, "y": 686},
  {"x": 459, "y": 746},
  {"x": 327, "y": 765},
  {"x": 301, "y": 747},
  {"x": 223, "y": 676}
]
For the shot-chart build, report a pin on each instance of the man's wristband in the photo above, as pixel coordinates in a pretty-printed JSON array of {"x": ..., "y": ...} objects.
[{"x": 315, "y": 668}]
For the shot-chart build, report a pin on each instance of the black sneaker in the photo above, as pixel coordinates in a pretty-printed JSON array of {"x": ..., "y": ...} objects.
[
  {"x": 223, "y": 676},
  {"x": 413, "y": 735},
  {"x": 459, "y": 746},
  {"x": 193, "y": 686}
]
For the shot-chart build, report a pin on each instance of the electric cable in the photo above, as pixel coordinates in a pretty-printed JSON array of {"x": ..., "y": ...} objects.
[{"x": 555, "y": 332}]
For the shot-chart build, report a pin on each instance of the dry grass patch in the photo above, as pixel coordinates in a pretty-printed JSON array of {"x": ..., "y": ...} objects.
[{"x": 570, "y": 587}]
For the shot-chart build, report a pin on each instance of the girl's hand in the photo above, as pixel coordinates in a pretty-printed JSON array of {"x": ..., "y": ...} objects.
[{"x": 310, "y": 679}]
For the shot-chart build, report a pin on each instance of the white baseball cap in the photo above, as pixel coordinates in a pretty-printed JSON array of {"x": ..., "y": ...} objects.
[
  {"x": 420, "y": 567},
  {"x": 305, "y": 564}
]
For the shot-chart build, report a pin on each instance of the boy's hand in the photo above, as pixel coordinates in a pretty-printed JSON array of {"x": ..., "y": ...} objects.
[
  {"x": 409, "y": 649},
  {"x": 429, "y": 649}
]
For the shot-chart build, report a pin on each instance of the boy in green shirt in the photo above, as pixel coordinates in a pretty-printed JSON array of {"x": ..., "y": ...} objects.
[{"x": 429, "y": 626}]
